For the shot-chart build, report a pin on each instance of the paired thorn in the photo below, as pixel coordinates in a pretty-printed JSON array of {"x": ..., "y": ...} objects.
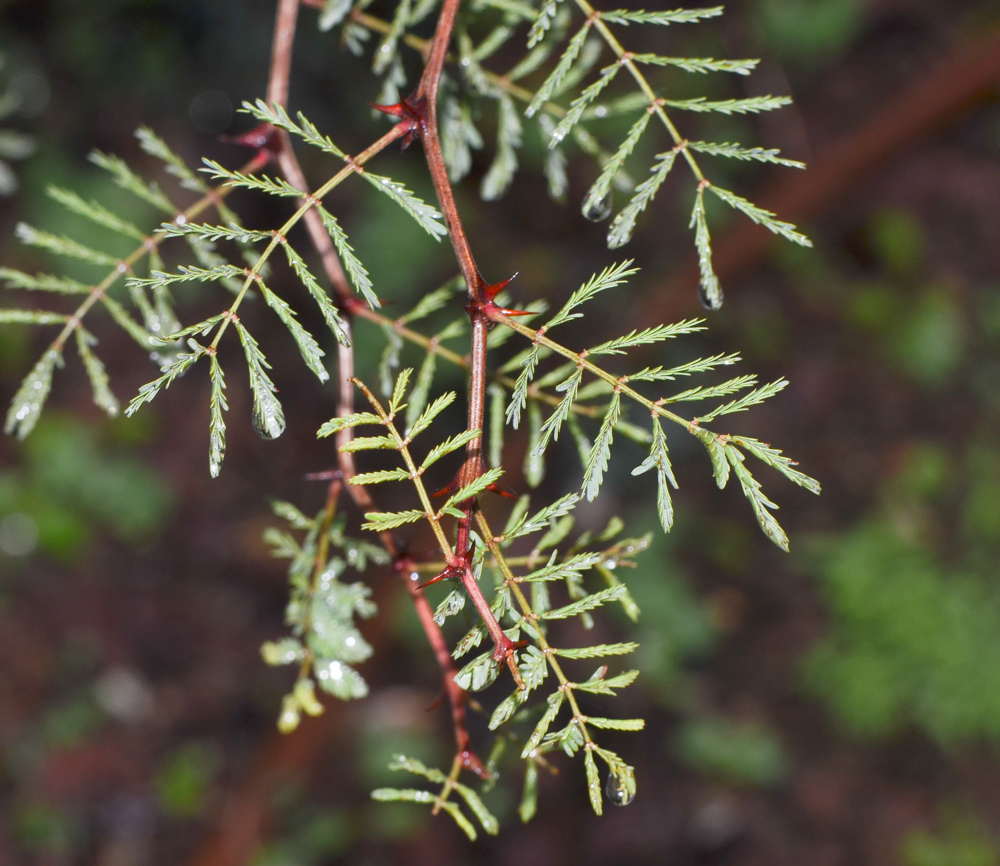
[
  {"x": 450, "y": 572},
  {"x": 487, "y": 306},
  {"x": 413, "y": 114},
  {"x": 470, "y": 470},
  {"x": 263, "y": 138}
]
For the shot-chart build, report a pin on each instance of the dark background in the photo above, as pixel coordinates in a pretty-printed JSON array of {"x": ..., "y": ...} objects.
[{"x": 836, "y": 705}]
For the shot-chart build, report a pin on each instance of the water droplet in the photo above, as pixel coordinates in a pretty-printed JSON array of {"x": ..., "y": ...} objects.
[
  {"x": 710, "y": 299},
  {"x": 414, "y": 576},
  {"x": 268, "y": 424},
  {"x": 601, "y": 111},
  {"x": 597, "y": 209},
  {"x": 617, "y": 790}
]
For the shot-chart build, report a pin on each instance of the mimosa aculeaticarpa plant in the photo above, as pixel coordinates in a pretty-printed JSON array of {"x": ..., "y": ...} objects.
[{"x": 518, "y": 589}]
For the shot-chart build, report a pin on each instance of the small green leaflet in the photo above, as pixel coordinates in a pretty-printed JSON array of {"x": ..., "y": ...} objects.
[
  {"x": 268, "y": 416},
  {"x": 103, "y": 396},
  {"x": 26, "y": 407},
  {"x": 311, "y": 353},
  {"x": 587, "y": 603},
  {"x": 427, "y": 216},
  {"x": 609, "y": 278},
  {"x": 217, "y": 424},
  {"x": 659, "y": 459},
  {"x": 709, "y": 291},
  {"x": 170, "y": 372},
  {"x": 129, "y": 180},
  {"x": 61, "y": 246},
  {"x": 597, "y": 462},
  {"x": 623, "y": 226}
]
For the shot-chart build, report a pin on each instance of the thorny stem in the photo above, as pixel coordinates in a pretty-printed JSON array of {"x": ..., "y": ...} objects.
[
  {"x": 277, "y": 92},
  {"x": 458, "y": 564},
  {"x": 582, "y": 137},
  {"x": 511, "y": 581},
  {"x": 434, "y": 347}
]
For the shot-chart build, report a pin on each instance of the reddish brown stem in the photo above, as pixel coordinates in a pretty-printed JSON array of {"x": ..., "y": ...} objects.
[
  {"x": 423, "y": 104},
  {"x": 277, "y": 93}
]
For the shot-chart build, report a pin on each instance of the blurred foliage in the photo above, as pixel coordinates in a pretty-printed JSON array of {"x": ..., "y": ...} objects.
[
  {"x": 310, "y": 836},
  {"x": 735, "y": 752},
  {"x": 184, "y": 780},
  {"x": 43, "y": 830},
  {"x": 915, "y": 638},
  {"x": 74, "y": 481},
  {"x": 961, "y": 841},
  {"x": 14, "y": 145},
  {"x": 809, "y": 32}
]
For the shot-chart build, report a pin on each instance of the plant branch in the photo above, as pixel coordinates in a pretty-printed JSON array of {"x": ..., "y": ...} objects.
[{"x": 277, "y": 94}]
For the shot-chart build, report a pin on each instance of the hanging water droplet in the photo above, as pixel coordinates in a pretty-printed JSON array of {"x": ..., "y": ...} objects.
[
  {"x": 618, "y": 791},
  {"x": 268, "y": 423},
  {"x": 596, "y": 209},
  {"x": 710, "y": 297}
]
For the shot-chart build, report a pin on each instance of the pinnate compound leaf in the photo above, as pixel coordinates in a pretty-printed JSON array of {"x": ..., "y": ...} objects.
[
  {"x": 616, "y": 724},
  {"x": 602, "y": 186},
  {"x": 61, "y": 246},
  {"x": 659, "y": 459},
  {"x": 599, "y": 651},
  {"x": 544, "y": 93},
  {"x": 601, "y": 685},
  {"x": 735, "y": 151},
  {"x": 623, "y": 225},
  {"x": 452, "y": 443},
  {"x": 129, "y": 180},
  {"x": 501, "y": 172},
  {"x": 473, "y": 488},
  {"x": 761, "y": 216},
  {"x": 752, "y": 105},
  {"x": 479, "y": 673},
  {"x": 775, "y": 459},
  {"x": 42, "y": 282},
  {"x": 427, "y": 416},
  {"x": 94, "y": 211},
  {"x": 593, "y": 782},
  {"x": 335, "y": 425}
]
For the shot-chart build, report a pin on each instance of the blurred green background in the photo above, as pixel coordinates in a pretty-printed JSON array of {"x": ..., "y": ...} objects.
[{"x": 837, "y": 705}]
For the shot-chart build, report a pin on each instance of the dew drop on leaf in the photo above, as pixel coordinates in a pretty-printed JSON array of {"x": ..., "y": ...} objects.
[
  {"x": 597, "y": 209},
  {"x": 710, "y": 300},
  {"x": 268, "y": 424},
  {"x": 617, "y": 791}
]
